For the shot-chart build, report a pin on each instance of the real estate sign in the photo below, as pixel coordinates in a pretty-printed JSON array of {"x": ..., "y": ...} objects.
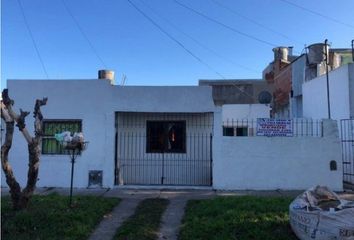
[{"x": 274, "y": 127}]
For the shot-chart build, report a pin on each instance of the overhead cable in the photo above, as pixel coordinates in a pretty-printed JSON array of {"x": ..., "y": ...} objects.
[
  {"x": 83, "y": 33},
  {"x": 225, "y": 25},
  {"x": 254, "y": 21},
  {"x": 174, "y": 39},
  {"x": 197, "y": 41},
  {"x": 32, "y": 38},
  {"x": 318, "y": 14}
]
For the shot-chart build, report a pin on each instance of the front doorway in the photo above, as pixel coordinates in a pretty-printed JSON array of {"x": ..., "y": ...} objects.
[{"x": 164, "y": 149}]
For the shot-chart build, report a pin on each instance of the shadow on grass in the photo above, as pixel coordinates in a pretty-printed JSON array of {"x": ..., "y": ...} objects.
[{"x": 49, "y": 217}]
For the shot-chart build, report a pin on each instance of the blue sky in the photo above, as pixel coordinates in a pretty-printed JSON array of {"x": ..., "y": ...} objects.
[{"x": 129, "y": 44}]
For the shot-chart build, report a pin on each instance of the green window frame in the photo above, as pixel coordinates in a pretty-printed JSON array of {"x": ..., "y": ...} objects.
[{"x": 50, "y": 146}]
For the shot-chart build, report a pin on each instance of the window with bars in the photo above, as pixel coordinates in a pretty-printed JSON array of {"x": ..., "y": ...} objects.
[
  {"x": 166, "y": 136},
  {"x": 50, "y": 127},
  {"x": 236, "y": 131}
]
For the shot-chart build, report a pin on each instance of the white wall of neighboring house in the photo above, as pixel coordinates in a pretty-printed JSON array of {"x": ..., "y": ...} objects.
[
  {"x": 341, "y": 98},
  {"x": 298, "y": 76},
  {"x": 351, "y": 89},
  {"x": 245, "y": 111},
  {"x": 278, "y": 162}
]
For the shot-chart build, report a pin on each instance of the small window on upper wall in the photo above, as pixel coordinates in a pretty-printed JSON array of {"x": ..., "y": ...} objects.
[
  {"x": 235, "y": 131},
  {"x": 242, "y": 131},
  {"x": 50, "y": 127},
  {"x": 166, "y": 136},
  {"x": 228, "y": 131}
]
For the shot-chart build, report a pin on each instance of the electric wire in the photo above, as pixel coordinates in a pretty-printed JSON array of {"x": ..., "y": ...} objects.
[
  {"x": 174, "y": 39},
  {"x": 32, "y": 38},
  {"x": 318, "y": 14},
  {"x": 197, "y": 41},
  {"x": 181, "y": 45},
  {"x": 225, "y": 25},
  {"x": 83, "y": 33},
  {"x": 254, "y": 21}
]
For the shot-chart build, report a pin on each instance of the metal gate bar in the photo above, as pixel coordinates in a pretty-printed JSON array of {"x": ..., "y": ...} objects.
[
  {"x": 137, "y": 166},
  {"x": 347, "y": 139}
]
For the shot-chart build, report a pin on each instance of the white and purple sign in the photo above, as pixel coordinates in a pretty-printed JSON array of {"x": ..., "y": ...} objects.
[{"x": 274, "y": 127}]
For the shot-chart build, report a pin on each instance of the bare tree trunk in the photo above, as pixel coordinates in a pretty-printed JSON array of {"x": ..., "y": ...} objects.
[
  {"x": 15, "y": 189},
  {"x": 20, "y": 198}
]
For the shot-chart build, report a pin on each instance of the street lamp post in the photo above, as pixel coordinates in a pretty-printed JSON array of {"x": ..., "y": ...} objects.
[{"x": 74, "y": 150}]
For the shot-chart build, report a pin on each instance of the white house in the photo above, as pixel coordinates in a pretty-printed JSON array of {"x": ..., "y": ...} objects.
[
  {"x": 341, "y": 107},
  {"x": 341, "y": 94},
  {"x": 159, "y": 132},
  {"x": 143, "y": 135}
]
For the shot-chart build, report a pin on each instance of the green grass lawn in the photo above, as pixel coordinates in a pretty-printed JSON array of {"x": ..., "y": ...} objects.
[
  {"x": 49, "y": 217},
  {"x": 238, "y": 218},
  {"x": 145, "y": 222}
]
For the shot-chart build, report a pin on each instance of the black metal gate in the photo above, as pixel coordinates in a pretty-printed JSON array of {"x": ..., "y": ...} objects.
[
  {"x": 347, "y": 138},
  {"x": 164, "y": 149}
]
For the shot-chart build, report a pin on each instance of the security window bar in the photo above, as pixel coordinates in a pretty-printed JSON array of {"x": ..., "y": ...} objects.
[
  {"x": 166, "y": 136},
  {"x": 228, "y": 131},
  {"x": 50, "y": 145},
  {"x": 242, "y": 131},
  {"x": 235, "y": 131}
]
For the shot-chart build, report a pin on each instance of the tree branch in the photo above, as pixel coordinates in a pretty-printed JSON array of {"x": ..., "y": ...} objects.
[
  {"x": 37, "y": 114},
  {"x": 8, "y": 104},
  {"x": 4, "y": 113},
  {"x": 20, "y": 199},
  {"x": 21, "y": 120},
  {"x": 15, "y": 189},
  {"x": 5, "y": 97},
  {"x": 34, "y": 150}
]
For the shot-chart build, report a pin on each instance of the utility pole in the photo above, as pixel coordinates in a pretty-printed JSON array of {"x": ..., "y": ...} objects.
[
  {"x": 327, "y": 78},
  {"x": 353, "y": 50}
]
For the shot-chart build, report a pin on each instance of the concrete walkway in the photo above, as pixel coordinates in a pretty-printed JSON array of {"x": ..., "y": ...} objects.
[
  {"x": 172, "y": 217},
  {"x": 109, "y": 225}
]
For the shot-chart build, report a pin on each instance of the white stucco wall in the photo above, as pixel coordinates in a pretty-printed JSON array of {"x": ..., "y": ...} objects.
[
  {"x": 315, "y": 95},
  {"x": 245, "y": 111},
  {"x": 351, "y": 89},
  {"x": 95, "y": 102},
  {"x": 277, "y": 162},
  {"x": 239, "y": 163}
]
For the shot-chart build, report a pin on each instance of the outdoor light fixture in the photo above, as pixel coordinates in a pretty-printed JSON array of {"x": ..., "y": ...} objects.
[
  {"x": 74, "y": 151},
  {"x": 74, "y": 145}
]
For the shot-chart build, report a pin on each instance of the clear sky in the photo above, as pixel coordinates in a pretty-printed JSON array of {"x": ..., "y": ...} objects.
[{"x": 240, "y": 46}]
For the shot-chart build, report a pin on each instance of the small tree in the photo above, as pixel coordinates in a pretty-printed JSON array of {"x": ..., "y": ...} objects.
[{"x": 20, "y": 198}]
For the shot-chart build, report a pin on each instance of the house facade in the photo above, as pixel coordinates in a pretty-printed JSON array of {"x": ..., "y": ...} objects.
[
  {"x": 341, "y": 94},
  {"x": 168, "y": 136},
  {"x": 129, "y": 129}
]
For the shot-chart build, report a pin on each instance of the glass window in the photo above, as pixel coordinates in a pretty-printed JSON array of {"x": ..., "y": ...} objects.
[
  {"x": 228, "y": 131},
  {"x": 241, "y": 131},
  {"x": 51, "y": 127},
  {"x": 235, "y": 131},
  {"x": 166, "y": 136}
]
